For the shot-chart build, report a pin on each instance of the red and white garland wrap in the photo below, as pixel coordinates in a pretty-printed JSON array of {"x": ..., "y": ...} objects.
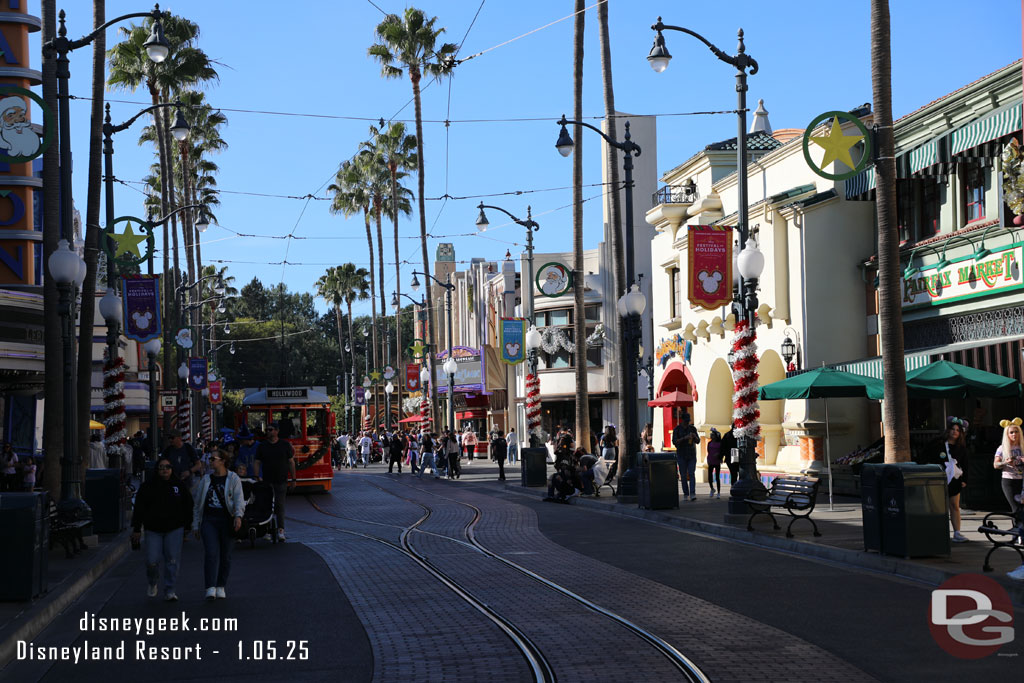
[
  {"x": 207, "y": 425},
  {"x": 424, "y": 410},
  {"x": 116, "y": 434},
  {"x": 533, "y": 404},
  {"x": 745, "y": 410},
  {"x": 184, "y": 424}
]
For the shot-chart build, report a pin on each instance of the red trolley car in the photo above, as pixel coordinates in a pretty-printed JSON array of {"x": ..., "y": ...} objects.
[{"x": 303, "y": 416}]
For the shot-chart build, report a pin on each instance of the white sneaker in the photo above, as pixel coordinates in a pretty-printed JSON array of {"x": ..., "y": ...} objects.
[
  {"x": 711, "y": 495},
  {"x": 211, "y": 594},
  {"x": 171, "y": 597},
  {"x": 153, "y": 591},
  {"x": 959, "y": 538},
  {"x": 220, "y": 592},
  {"x": 693, "y": 497},
  {"x": 718, "y": 494},
  {"x": 1017, "y": 574},
  {"x": 280, "y": 534}
]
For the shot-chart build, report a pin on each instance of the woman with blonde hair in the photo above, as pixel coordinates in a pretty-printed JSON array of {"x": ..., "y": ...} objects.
[{"x": 1010, "y": 459}]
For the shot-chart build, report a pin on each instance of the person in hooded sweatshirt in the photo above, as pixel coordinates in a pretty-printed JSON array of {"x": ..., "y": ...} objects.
[{"x": 163, "y": 506}]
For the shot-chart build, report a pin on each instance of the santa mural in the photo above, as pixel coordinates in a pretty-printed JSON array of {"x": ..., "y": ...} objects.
[{"x": 16, "y": 135}]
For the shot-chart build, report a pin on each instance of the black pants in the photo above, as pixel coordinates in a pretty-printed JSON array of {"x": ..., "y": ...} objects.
[
  {"x": 501, "y": 468},
  {"x": 392, "y": 460},
  {"x": 734, "y": 470},
  {"x": 716, "y": 471},
  {"x": 454, "y": 468},
  {"x": 1012, "y": 487}
]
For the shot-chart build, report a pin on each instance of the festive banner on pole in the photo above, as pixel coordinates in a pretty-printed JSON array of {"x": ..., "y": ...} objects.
[
  {"x": 197, "y": 373},
  {"x": 513, "y": 340},
  {"x": 360, "y": 396},
  {"x": 710, "y": 265},
  {"x": 412, "y": 376},
  {"x": 215, "y": 391},
  {"x": 141, "y": 301}
]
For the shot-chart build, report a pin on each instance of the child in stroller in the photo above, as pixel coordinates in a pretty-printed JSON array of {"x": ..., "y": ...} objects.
[{"x": 259, "y": 517}]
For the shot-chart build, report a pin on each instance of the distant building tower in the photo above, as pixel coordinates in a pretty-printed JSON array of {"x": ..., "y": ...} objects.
[
  {"x": 760, "y": 123},
  {"x": 444, "y": 265}
]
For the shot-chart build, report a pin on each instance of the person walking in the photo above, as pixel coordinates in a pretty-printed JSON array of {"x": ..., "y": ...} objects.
[
  {"x": 469, "y": 442},
  {"x": 427, "y": 448},
  {"x": 8, "y": 468},
  {"x": 451, "y": 445},
  {"x": 163, "y": 507},
  {"x": 183, "y": 458},
  {"x": 396, "y": 448},
  {"x": 97, "y": 454},
  {"x": 951, "y": 455},
  {"x": 216, "y": 516},
  {"x": 412, "y": 452},
  {"x": 275, "y": 461},
  {"x": 647, "y": 438},
  {"x": 365, "y": 449},
  {"x": 609, "y": 444},
  {"x": 728, "y": 445},
  {"x": 513, "y": 446},
  {"x": 685, "y": 438},
  {"x": 352, "y": 449},
  {"x": 714, "y": 454},
  {"x": 1010, "y": 459},
  {"x": 499, "y": 451}
]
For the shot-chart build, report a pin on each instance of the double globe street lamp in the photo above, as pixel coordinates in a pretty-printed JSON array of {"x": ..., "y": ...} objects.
[
  {"x": 450, "y": 366},
  {"x": 749, "y": 262}
]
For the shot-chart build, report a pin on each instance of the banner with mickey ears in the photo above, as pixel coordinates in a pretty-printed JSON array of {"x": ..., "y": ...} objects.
[
  {"x": 513, "y": 340},
  {"x": 710, "y": 265},
  {"x": 198, "y": 370},
  {"x": 140, "y": 296},
  {"x": 215, "y": 391}
]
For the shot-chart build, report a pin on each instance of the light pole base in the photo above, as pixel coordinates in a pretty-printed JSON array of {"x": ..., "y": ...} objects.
[
  {"x": 745, "y": 489},
  {"x": 627, "y": 491},
  {"x": 736, "y": 519}
]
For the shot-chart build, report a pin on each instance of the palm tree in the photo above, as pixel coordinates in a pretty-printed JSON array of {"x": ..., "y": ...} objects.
[
  {"x": 328, "y": 289},
  {"x": 890, "y": 313},
  {"x": 615, "y": 213},
  {"x": 352, "y": 195},
  {"x": 580, "y": 331},
  {"x": 92, "y": 232},
  {"x": 396, "y": 152},
  {"x": 353, "y": 286},
  {"x": 409, "y": 43}
]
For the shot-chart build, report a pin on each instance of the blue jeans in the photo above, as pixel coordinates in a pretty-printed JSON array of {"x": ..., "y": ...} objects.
[
  {"x": 513, "y": 453},
  {"x": 688, "y": 473},
  {"x": 166, "y": 546},
  {"x": 428, "y": 461},
  {"x": 218, "y": 541}
]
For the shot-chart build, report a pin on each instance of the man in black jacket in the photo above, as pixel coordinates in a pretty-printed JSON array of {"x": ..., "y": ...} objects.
[{"x": 164, "y": 507}]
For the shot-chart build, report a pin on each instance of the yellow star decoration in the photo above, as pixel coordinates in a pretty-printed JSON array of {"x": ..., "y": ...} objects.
[
  {"x": 418, "y": 349},
  {"x": 128, "y": 242},
  {"x": 375, "y": 375},
  {"x": 836, "y": 145}
]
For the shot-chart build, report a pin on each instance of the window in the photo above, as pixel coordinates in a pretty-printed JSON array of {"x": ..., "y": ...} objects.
[
  {"x": 974, "y": 192},
  {"x": 257, "y": 421},
  {"x": 562, "y": 318},
  {"x": 593, "y": 313},
  {"x": 289, "y": 423},
  {"x": 905, "y": 208},
  {"x": 931, "y": 204},
  {"x": 676, "y": 304},
  {"x": 316, "y": 422}
]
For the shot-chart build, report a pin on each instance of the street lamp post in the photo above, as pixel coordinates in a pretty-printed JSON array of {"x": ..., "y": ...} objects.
[
  {"x": 112, "y": 314},
  {"x": 389, "y": 388},
  {"x": 750, "y": 261},
  {"x": 647, "y": 367},
  {"x": 631, "y": 337},
  {"x": 448, "y": 289},
  {"x": 152, "y": 348}
]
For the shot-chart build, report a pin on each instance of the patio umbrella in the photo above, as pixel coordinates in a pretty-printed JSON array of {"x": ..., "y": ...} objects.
[
  {"x": 670, "y": 399},
  {"x": 93, "y": 424},
  {"x": 412, "y": 418},
  {"x": 824, "y": 383},
  {"x": 943, "y": 379}
]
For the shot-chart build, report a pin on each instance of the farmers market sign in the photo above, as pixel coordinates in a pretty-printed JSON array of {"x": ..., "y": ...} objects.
[{"x": 966, "y": 278}]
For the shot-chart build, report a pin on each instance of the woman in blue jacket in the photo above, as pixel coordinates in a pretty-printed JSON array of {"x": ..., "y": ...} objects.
[{"x": 216, "y": 516}]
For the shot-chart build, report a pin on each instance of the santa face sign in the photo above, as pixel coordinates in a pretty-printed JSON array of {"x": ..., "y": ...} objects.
[
  {"x": 18, "y": 140},
  {"x": 554, "y": 279}
]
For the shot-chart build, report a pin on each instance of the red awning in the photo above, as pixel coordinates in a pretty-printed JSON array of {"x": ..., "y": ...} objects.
[
  {"x": 471, "y": 414},
  {"x": 413, "y": 418},
  {"x": 672, "y": 398}
]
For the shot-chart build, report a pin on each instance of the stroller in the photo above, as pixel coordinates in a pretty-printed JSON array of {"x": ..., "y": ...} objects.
[{"x": 259, "y": 517}]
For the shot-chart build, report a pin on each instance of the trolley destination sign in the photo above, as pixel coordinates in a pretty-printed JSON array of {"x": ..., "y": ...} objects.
[{"x": 288, "y": 393}]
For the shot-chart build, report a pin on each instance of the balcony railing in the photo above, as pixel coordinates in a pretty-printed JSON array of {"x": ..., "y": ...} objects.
[{"x": 675, "y": 194}]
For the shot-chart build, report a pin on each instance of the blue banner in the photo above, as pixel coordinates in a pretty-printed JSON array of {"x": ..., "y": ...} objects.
[
  {"x": 197, "y": 373},
  {"x": 141, "y": 301},
  {"x": 513, "y": 340},
  {"x": 360, "y": 396}
]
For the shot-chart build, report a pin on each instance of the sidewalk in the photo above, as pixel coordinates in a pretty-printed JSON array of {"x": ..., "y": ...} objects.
[{"x": 841, "y": 539}]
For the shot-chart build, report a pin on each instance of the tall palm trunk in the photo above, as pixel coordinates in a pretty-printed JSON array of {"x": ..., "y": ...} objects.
[
  {"x": 414, "y": 76},
  {"x": 170, "y": 277},
  {"x": 341, "y": 343},
  {"x": 373, "y": 306},
  {"x": 380, "y": 273},
  {"x": 92, "y": 233},
  {"x": 582, "y": 395},
  {"x": 890, "y": 314},
  {"x": 53, "y": 380},
  {"x": 614, "y": 204},
  {"x": 398, "y": 288},
  {"x": 352, "y": 358}
]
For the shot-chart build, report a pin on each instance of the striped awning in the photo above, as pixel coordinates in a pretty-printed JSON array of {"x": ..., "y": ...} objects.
[
  {"x": 995, "y": 125},
  {"x": 860, "y": 183},
  {"x": 872, "y": 367}
]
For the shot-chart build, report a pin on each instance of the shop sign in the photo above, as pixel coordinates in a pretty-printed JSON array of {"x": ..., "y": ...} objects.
[
  {"x": 168, "y": 401},
  {"x": 709, "y": 271},
  {"x": 513, "y": 340},
  {"x": 469, "y": 373},
  {"x": 966, "y": 278}
]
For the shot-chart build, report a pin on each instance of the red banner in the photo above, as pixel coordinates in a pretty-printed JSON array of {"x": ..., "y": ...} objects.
[
  {"x": 215, "y": 389},
  {"x": 412, "y": 377},
  {"x": 710, "y": 265}
]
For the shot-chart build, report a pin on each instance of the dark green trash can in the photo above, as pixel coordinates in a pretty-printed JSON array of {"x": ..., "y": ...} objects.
[
  {"x": 659, "y": 482},
  {"x": 102, "y": 491},
  {"x": 533, "y": 466},
  {"x": 25, "y": 539},
  {"x": 871, "y": 506},
  {"x": 915, "y": 510}
]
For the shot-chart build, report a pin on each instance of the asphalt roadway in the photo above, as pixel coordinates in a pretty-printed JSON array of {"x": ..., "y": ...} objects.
[{"x": 340, "y": 604}]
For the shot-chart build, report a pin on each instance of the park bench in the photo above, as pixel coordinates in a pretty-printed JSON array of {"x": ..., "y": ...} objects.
[
  {"x": 1010, "y": 536},
  {"x": 795, "y": 495},
  {"x": 67, "y": 532}
]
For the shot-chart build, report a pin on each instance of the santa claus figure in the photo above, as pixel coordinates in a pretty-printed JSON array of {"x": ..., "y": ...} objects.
[{"x": 16, "y": 135}]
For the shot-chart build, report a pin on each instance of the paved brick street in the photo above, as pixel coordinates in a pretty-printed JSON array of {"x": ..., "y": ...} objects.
[{"x": 346, "y": 582}]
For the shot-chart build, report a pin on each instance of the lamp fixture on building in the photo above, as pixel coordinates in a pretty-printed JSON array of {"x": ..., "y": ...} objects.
[
  {"x": 183, "y": 371},
  {"x": 790, "y": 349},
  {"x": 450, "y": 367}
]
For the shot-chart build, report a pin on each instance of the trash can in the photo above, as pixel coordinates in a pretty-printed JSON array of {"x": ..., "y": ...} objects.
[
  {"x": 870, "y": 506},
  {"x": 533, "y": 466},
  {"x": 915, "y": 510},
  {"x": 25, "y": 539},
  {"x": 102, "y": 491},
  {"x": 659, "y": 482}
]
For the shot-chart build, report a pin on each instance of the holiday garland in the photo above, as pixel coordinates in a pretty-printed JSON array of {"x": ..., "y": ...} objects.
[
  {"x": 185, "y": 416},
  {"x": 533, "y": 404},
  {"x": 425, "y": 410},
  {"x": 554, "y": 338},
  {"x": 1013, "y": 176},
  {"x": 745, "y": 410},
  {"x": 114, "y": 411}
]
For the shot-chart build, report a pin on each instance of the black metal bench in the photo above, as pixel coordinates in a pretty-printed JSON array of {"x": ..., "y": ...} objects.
[
  {"x": 67, "y": 532},
  {"x": 795, "y": 495},
  {"x": 1009, "y": 536}
]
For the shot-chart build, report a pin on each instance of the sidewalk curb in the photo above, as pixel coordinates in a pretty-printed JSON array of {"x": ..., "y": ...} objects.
[
  {"x": 854, "y": 558},
  {"x": 59, "y": 597}
]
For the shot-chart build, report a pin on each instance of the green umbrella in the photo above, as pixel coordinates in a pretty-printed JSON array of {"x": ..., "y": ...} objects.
[
  {"x": 943, "y": 379},
  {"x": 824, "y": 383}
]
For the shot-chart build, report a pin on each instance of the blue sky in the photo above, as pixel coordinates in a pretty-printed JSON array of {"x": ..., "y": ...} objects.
[{"x": 310, "y": 57}]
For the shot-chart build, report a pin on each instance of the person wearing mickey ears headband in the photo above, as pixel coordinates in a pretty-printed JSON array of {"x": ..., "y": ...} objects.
[
  {"x": 951, "y": 454},
  {"x": 1010, "y": 459}
]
